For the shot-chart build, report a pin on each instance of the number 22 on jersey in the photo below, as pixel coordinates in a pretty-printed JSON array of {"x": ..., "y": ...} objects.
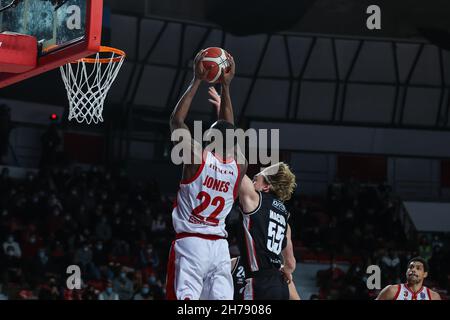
[{"x": 205, "y": 202}]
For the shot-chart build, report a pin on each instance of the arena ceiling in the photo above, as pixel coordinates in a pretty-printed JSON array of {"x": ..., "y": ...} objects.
[{"x": 400, "y": 18}]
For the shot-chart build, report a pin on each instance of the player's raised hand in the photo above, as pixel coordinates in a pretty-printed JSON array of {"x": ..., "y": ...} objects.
[
  {"x": 228, "y": 74},
  {"x": 214, "y": 98},
  {"x": 200, "y": 71}
]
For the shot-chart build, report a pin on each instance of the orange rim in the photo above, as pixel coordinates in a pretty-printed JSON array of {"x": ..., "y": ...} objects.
[{"x": 119, "y": 52}]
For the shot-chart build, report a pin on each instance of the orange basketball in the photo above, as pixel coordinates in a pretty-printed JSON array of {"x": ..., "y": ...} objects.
[{"x": 215, "y": 61}]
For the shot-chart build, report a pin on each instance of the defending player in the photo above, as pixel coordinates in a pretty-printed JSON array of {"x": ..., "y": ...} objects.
[{"x": 266, "y": 243}]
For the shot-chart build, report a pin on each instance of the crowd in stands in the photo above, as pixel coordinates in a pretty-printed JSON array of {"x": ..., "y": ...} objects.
[{"x": 116, "y": 231}]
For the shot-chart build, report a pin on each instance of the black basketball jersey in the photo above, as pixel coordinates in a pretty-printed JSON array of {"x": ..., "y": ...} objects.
[
  {"x": 238, "y": 274},
  {"x": 264, "y": 235}
]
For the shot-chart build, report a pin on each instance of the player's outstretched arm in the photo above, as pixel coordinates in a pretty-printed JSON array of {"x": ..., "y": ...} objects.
[
  {"x": 288, "y": 255},
  {"x": 248, "y": 197},
  {"x": 179, "y": 114},
  {"x": 226, "y": 107},
  {"x": 435, "y": 295},
  {"x": 222, "y": 103},
  {"x": 388, "y": 293},
  {"x": 293, "y": 293}
]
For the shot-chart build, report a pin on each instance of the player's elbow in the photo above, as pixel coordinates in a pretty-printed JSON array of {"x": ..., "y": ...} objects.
[
  {"x": 291, "y": 263},
  {"x": 175, "y": 121}
]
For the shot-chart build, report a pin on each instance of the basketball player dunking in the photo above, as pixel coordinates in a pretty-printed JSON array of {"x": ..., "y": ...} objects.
[
  {"x": 413, "y": 289},
  {"x": 199, "y": 262}
]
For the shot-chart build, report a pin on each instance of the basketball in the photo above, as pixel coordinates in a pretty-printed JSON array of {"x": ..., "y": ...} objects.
[{"x": 215, "y": 61}]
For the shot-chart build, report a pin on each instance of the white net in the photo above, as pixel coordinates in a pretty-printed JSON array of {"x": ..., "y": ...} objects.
[{"x": 87, "y": 83}]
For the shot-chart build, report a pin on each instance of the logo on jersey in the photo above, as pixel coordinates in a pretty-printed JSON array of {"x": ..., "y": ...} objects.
[
  {"x": 222, "y": 171},
  {"x": 279, "y": 205},
  {"x": 422, "y": 296}
]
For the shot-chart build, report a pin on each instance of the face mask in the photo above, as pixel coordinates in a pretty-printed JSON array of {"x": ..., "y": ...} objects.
[
  {"x": 99, "y": 247},
  {"x": 123, "y": 275},
  {"x": 145, "y": 291},
  {"x": 86, "y": 248},
  {"x": 32, "y": 240},
  {"x": 109, "y": 290},
  {"x": 152, "y": 280}
]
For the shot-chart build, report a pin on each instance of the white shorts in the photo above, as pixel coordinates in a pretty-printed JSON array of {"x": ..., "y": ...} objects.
[{"x": 199, "y": 269}]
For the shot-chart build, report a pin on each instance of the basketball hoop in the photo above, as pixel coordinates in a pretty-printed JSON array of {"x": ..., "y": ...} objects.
[{"x": 88, "y": 81}]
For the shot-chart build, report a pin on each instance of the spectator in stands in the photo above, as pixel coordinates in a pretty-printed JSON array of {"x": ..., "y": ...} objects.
[
  {"x": 109, "y": 293},
  {"x": 2, "y": 295},
  {"x": 50, "y": 291},
  {"x": 156, "y": 287},
  {"x": 149, "y": 257},
  {"x": 11, "y": 247},
  {"x": 83, "y": 256},
  {"x": 123, "y": 285},
  {"x": 90, "y": 294},
  {"x": 159, "y": 225},
  {"x": 390, "y": 264},
  {"x": 50, "y": 142},
  {"x": 425, "y": 249},
  {"x": 144, "y": 293},
  {"x": 103, "y": 229}
]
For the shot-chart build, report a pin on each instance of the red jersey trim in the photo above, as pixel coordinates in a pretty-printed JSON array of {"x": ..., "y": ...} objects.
[
  {"x": 170, "y": 278},
  {"x": 197, "y": 173},
  {"x": 226, "y": 160},
  {"x": 399, "y": 287},
  {"x": 413, "y": 293},
  {"x": 199, "y": 235},
  {"x": 236, "y": 185},
  {"x": 429, "y": 294}
]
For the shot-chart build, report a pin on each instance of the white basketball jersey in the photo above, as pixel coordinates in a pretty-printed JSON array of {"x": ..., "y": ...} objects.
[
  {"x": 204, "y": 201},
  {"x": 405, "y": 293}
]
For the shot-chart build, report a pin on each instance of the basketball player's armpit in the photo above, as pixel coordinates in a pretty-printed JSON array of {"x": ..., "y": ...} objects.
[
  {"x": 180, "y": 112},
  {"x": 388, "y": 293},
  {"x": 248, "y": 197},
  {"x": 435, "y": 295},
  {"x": 290, "y": 262}
]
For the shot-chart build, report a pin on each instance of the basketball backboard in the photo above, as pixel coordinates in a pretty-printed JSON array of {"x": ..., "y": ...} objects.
[{"x": 66, "y": 30}]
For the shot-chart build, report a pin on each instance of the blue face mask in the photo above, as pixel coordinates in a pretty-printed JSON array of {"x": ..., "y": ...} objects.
[
  {"x": 123, "y": 275},
  {"x": 145, "y": 291},
  {"x": 109, "y": 290},
  {"x": 152, "y": 280}
]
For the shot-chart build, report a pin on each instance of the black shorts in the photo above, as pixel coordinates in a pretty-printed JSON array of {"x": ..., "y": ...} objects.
[{"x": 268, "y": 286}]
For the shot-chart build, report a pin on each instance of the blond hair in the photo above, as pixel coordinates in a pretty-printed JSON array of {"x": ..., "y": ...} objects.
[{"x": 281, "y": 180}]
